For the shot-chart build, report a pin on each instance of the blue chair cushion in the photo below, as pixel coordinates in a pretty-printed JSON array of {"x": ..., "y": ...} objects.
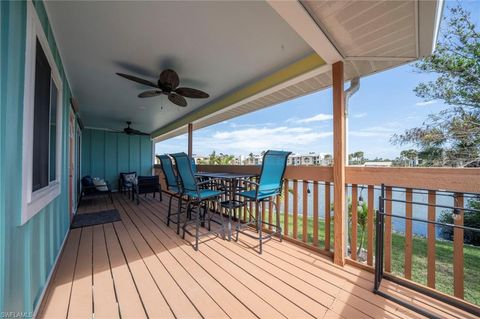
[
  {"x": 173, "y": 189},
  {"x": 204, "y": 193},
  {"x": 261, "y": 194}
]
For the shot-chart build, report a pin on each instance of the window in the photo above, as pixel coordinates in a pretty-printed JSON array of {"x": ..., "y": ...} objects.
[{"x": 42, "y": 122}]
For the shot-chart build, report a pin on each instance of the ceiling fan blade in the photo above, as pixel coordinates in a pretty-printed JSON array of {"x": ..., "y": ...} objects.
[
  {"x": 169, "y": 79},
  {"x": 150, "y": 93},
  {"x": 177, "y": 99},
  {"x": 137, "y": 132},
  {"x": 192, "y": 93},
  {"x": 137, "y": 79}
]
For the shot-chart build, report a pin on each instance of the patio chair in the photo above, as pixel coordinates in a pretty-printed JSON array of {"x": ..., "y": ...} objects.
[
  {"x": 194, "y": 166},
  {"x": 192, "y": 189},
  {"x": 147, "y": 185},
  {"x": 126, "y": 182},
  {"x": 268, "y": 187},
  {"x": 173, "y": 186},
  {"x": 90, "y": 189}
]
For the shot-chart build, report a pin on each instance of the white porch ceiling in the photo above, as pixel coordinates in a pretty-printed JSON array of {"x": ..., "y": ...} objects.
[
  {"x": 214, "y": 46},
  {"x": 221, "y": 47},
  {"x": 369, "y": 36}
]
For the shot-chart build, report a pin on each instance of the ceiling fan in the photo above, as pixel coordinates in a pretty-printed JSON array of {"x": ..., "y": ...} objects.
[
  {"x": 167, "y": 84},
  {"x": 130, "y": 131}
]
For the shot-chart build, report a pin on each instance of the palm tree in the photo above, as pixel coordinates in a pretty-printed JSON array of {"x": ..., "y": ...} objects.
[
  {"x": 362, "y": 212},
  {"x": 225, "y": 159},
  {"x": 212, "y": 158},
  {"x": 359, "y": 155}
]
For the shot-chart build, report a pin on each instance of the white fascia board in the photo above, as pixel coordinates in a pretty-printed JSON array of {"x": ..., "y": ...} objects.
[{"x": 300, "y": 20}]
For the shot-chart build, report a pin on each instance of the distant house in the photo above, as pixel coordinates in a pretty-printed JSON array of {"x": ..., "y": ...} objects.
[
  {"x": 253, "y": 160},
  {"x": 311, "y": 158},
  {"x": 377, "y": 164}
]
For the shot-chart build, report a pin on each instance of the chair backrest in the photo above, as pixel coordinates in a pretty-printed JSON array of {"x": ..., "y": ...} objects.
[
  {"x": 148, "y": 184},
  {"x": 194, "y": 165},
  {"x": 87, "y": 181},
  {"x": 185, "y": 172},
  {"x": 128, "y": 177},
  {"x": 167, "y": 168},
  {"x": 273, "y": 168}
]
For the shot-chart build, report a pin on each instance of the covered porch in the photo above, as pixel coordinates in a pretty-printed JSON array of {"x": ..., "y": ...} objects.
[
  {"x": 138, "y": 267},
  {"x": 247, "y": 56}
]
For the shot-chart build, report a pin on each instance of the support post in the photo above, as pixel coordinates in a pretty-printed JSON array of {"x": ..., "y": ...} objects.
[
  {"x": 339, "y": 162},
  {"x": 190, "y": 136}
]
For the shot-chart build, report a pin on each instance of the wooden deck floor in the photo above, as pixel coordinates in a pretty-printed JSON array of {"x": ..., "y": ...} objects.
[{"x": 139, "y": 268}]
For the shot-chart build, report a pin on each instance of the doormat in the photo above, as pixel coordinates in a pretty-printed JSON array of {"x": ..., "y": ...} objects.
[{"x": 97, "y": 218}]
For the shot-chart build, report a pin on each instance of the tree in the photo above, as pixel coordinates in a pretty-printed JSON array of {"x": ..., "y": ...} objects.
[
  {"x": 225, "y": 159},
  {"x": 212, "y": 158},
  {"x": 471, "y": 218},
  {"x": 451, "y": 137},
  {"x": 360, "y": 155}
]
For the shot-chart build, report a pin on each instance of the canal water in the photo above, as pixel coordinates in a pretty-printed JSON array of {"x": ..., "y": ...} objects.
[{"x": 398, "y": 224}]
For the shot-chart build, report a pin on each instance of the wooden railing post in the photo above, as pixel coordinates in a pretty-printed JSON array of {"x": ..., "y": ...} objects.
[
  {"x": 431, "y": 239},
  {"x": 305, "y": 211},
  {"x": 295, "y": 209},
  {"x": 339, "y": 162},
  {"x": 315, "y": 214},
  {"x": 408, "y": 233},
  {"x": 190, "y": 141},
  {"x": 285, "y": 207},
  {"x": 370, "y": 222},
  {"x": 327, "y": 216},
  {"x": 353, "y": 239},
  {"x": 458, "y": 272},
  {"x": 388, "y": 230}
]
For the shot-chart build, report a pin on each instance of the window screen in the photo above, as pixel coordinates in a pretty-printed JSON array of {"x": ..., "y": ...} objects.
[{"x": 41, "y": 122}]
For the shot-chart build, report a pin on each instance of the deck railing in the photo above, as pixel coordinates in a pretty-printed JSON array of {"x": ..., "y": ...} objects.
[{"x": 307, "y": 217}]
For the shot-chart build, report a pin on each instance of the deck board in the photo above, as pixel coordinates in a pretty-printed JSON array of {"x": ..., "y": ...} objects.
[
  {"x": 104, "y": 299},
  {"x": 236, "y": 287},
  {"x": 167, "y": 250},
  {"x": 81, "y": 296},
  {"x": 138, "y": 267},
  {"x": 129, "y": 301}
]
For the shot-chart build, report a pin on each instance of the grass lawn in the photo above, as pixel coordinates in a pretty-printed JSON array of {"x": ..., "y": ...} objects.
[{"x": 444, "y": 258}]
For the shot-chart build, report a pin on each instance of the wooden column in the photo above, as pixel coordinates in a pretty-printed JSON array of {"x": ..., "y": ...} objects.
[
  {"x": 190, "y": 136},
  {"x": 339, "y": 162}
]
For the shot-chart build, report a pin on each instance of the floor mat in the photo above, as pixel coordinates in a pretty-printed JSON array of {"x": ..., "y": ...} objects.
[{"x": 97, "y": 218}]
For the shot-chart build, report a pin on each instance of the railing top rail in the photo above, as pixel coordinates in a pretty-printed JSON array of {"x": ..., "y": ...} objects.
[{"x": 461, "y": 180}]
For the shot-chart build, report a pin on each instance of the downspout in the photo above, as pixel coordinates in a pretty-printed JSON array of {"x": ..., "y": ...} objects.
[{"x": 354, "y": 87}]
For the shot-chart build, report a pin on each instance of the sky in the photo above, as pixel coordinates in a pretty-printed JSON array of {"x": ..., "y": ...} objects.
[{"x": 384, "y": 105}]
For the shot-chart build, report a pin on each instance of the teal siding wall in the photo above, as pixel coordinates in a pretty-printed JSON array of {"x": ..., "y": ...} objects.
[
  {"x": 105, "y": 154},
  {"x": 27, "y": 252}
]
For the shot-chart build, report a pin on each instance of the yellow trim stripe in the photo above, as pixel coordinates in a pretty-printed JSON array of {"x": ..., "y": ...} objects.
[{"x": 291, "y": 71}]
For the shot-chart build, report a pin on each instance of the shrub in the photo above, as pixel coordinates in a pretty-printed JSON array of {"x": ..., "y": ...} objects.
[{"x": 471, "y": 219}]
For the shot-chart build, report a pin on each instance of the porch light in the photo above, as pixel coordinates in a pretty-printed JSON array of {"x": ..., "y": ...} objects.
[{"x": 456, "y": 214}]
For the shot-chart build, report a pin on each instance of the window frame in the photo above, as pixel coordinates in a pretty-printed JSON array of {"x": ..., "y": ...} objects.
[{"x": 33, "y": 202}]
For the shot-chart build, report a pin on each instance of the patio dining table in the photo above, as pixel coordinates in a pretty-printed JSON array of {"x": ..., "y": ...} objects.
[{"x": 230, "y": 204}]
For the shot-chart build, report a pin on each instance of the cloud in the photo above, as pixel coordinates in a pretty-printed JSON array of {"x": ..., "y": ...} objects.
[
  {"x": 359, "y": 115},
  {"x": 316, "y": 118},
  {"x": 246, "y": 140},
  {"x": 235, "y": 125},
  {"x": 385, "y": 130},
  {"x": 426, "y": 103}
]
